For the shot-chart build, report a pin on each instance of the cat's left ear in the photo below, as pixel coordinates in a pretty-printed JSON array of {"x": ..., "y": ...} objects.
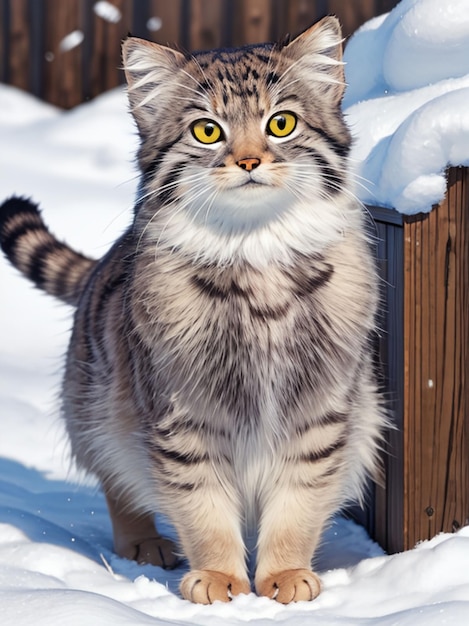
[
  {"x": 149, "y": 68},
  {"x": 318, "y": 51}
]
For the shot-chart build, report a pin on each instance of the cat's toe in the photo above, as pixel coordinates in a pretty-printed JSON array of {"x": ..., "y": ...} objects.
[
  {"x": 158, "y": 551},
  {"x": 290, "y": 586},
  {"x": 206, "y": 586}
]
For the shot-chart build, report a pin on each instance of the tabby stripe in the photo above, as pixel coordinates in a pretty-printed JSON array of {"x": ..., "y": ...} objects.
[
  {"x": 269, "y": 313},
  {"x": 194, "y": 105},
  {"x": 179, "y": 457},
  {"x": 38, "y": 261},
  {"x": 308, "y": 284},
  {"x": 213, "y": 291},
  {"x": 168, "y": 193},
  {"x": 65, "y": 281},
  {"x": 97, "y": 316},
  {"x": 179, "y": 486},
  {"x": 331, "y": 418},
  {"x": 265, "y": 58},
  {"x": 291, "y": 96},
  {"x": 210, "y": 289},
  {"x": 313, "y": 457},
  {"x": 342, "y": 149},
  {"x": 330, "y": 174},
  {"x": 167, "y": 476},
  {"x": 322, "y": 480},
  {"x": 155, "y": 164},
  {"x": 335, "y": 417},
  {"x": 272, "y": 78},
  {"x": 10, "y": 238},
  {"x": 16, "y": 213}
]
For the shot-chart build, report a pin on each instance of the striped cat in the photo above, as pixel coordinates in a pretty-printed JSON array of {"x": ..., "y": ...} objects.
[{"x": 219, "y": 368}]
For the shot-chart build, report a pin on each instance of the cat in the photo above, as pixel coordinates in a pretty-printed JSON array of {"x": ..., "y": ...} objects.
[{"x": 220, "y": 364}]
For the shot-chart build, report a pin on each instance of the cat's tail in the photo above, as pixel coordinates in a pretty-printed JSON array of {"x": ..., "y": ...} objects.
[{"x": 50, "y": 264}]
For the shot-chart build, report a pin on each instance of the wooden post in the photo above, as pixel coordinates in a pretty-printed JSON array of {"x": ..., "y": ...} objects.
[
  {"x": 436, "y": 365},
  {"x": 424, "y": 349}
]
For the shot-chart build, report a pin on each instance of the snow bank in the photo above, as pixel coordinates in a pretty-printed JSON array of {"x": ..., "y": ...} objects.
[{"x": 407, "y": 102}]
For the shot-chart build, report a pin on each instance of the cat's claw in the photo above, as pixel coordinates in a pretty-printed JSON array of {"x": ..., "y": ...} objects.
[
  {"x": 290, "y": 586},
  {"x": 206, "y": 586}
]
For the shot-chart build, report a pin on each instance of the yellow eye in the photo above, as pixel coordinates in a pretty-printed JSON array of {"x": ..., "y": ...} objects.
[
  {"x": 207, "y": 131},
  {"x": 282, "y": 124}
]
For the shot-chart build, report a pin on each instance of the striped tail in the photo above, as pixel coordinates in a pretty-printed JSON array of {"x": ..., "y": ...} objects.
[{"x": 31, "y": 248}]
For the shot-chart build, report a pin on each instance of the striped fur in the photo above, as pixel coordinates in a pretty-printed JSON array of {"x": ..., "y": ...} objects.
[
  {"x": 48, "y": 263},
  {"x": 219, "y": 368}
]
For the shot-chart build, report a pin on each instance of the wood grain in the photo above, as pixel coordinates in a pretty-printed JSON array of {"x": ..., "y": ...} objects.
[
  {"x": 436, "y": 359},
  {"x": 62, "y": 75},
  {"x": 19, "y": 44}
]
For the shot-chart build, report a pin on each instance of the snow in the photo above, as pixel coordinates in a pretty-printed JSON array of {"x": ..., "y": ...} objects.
[
  {"x": 107, "y": 11},
  {"x": 407, "y": 102},
  {"x": 154, "y": 23},
  {"x": 71, "y": 41},
  {"x": 56, "y": 559}
]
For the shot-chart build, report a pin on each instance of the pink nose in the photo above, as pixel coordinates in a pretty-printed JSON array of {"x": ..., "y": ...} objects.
[{"x": 249, "y": 163}]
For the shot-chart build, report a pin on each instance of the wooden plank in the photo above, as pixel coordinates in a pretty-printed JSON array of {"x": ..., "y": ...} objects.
[
  {"x": 301, "y": 15},
  {"x": 19, "y": 44},
  {"x": 388, "y": 501},
  {"x": 170, "y": 16},
  {"x": 62, "y": 71},
  {"x": 436, "y": 401},
  {"x": 206, "y": 19},
  {"x": 108, "y": 33},
  {"x": 252, "y": 22},
  {"x": 4, "y": 41}
]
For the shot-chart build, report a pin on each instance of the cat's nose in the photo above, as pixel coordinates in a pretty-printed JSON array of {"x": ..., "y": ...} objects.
[{"x": 249, "y": 163}]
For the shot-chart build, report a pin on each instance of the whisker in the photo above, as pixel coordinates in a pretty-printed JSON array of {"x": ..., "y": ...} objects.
[
  {"x": 205, "y": 77},
  {"x": 191, "y": 197}
]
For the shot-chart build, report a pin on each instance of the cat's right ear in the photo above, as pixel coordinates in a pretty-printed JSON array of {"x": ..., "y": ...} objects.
[{"x": 148, "y": 68}]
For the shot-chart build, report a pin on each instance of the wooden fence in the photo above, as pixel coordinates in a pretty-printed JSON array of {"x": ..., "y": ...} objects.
[{"x": 68, "y": 51}]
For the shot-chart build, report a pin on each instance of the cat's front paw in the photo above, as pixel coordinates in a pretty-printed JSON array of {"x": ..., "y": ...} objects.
[
  {"x": 206, "y": 586},
  {"x": 291, "y": 585}
]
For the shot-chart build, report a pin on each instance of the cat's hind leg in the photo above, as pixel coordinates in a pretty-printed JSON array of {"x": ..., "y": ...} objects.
[{"x": 136, "y": 537}]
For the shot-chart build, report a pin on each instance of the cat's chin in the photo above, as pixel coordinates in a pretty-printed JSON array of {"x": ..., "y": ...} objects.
[{"x": 245, "y": 208}]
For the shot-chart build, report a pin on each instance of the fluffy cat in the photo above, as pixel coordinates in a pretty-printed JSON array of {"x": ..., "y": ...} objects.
[{"x": 219, "y": 368}]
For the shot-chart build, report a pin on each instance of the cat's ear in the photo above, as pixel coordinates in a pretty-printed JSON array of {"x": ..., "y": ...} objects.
[
  {"x": 318, "y": 50},
  {"x": 149, "y": 67}
]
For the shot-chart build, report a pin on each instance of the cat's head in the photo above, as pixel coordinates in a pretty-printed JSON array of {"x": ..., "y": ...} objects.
[{"x": 242, "y": 141}]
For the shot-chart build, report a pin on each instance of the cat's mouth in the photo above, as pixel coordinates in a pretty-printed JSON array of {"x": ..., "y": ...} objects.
[{"x": 253, "y": 183}]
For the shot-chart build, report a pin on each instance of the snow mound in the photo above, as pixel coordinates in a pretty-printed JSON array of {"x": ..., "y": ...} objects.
[{"x": 407, "y": 102}]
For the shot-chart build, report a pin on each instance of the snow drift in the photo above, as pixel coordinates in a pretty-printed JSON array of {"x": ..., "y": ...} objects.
[{"x": 407, "y": 102}]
